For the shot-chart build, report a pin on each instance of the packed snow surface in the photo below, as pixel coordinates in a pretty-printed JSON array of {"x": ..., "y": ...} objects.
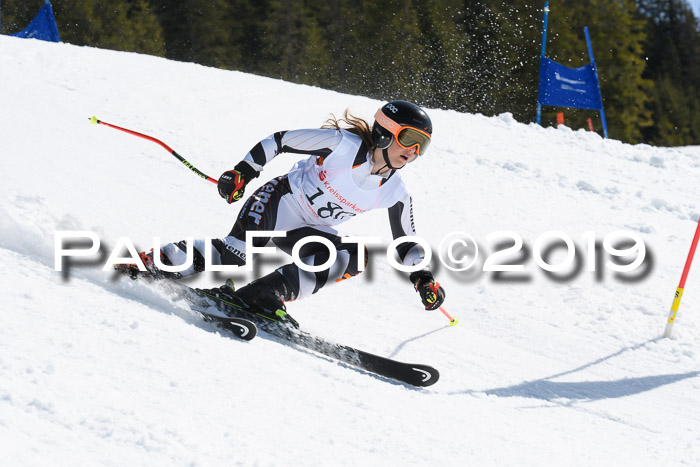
[{"x": 563, "y": 370}]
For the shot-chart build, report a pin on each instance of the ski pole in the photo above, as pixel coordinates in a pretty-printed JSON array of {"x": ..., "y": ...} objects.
[
  {"x": 194, "y": 169},
  {"x": 453, "y": 321}
]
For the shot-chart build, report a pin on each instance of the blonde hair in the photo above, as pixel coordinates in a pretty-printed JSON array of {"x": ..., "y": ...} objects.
[{"x": 353, "y": 124}]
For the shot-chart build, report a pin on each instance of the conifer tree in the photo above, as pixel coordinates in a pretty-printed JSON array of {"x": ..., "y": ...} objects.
[
  {"x": 119, "y": 25},
  {"x": 672, "y": 51}
]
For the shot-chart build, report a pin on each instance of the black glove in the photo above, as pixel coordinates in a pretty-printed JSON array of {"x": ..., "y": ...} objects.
[
  {"x": 430, "y": 291},
  {"x": 232, "y": 182}
]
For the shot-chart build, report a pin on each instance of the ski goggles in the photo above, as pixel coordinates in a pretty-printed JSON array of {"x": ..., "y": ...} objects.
[{"x": 406, "y": 136}]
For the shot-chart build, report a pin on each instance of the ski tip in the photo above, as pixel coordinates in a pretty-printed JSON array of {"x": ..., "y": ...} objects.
[
  {"x": 241, "y": 328},
  {"x": 426, "y": 375},
  {"x": 94, "y": 120}
]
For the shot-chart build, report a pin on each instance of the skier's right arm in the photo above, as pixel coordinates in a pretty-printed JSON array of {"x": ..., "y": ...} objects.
[{"x": 316, "y": 142}]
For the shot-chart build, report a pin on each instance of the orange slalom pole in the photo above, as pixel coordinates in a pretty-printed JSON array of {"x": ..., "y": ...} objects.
[
  {"x": 453, "y": 321},
  {"x": 681, "y": 285}
]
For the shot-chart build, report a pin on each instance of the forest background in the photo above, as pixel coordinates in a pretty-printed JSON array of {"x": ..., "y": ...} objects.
[{"x": 469, "y": 55}]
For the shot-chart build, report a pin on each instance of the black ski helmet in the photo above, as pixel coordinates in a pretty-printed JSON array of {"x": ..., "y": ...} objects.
[{"x": 404, "y": 113}]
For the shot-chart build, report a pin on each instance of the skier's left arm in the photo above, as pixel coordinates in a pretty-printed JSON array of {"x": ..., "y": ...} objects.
[{"x": 401, "y": 220}]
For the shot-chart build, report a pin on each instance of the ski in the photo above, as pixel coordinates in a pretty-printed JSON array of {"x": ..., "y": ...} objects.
[
  {"x": 240, "y": 327},
  {"x": 413, "y": 374}
]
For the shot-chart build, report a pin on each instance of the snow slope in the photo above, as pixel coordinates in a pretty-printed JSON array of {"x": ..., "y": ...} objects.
[{"x": 96, "y": 370}]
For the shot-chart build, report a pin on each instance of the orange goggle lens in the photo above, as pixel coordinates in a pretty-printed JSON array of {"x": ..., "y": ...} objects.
[
  {"x": 406, "y": 136},
  {"x": 409, "y": 137}
]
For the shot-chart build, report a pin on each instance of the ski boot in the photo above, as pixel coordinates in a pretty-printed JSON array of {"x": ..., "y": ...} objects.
[
  {"x": 262, "y": 297},
  {"x": 133, "y": 271}
]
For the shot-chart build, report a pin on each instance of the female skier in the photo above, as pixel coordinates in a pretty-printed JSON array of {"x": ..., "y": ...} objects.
[{"x": 351, "y": 170}]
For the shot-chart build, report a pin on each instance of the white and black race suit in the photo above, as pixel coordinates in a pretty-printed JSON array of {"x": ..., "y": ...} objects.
[{"x": 330, "y": 187}]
